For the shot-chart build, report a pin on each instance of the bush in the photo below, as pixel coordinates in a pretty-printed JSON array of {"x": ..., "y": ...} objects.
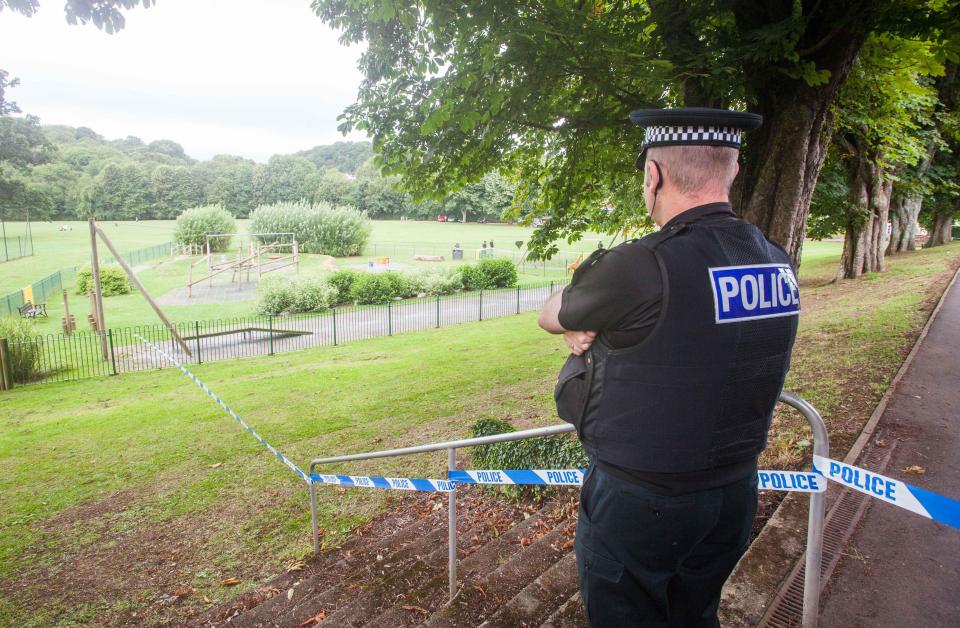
[
  {"x": 312, "y": 295},
  {"x": 320, "y": 228},
  {"x": 342, "y": 281},
  {"x": 497, "y": 273},
  {"x": 436, "y": 281},
  {"x": 274, "y": 295},
  {"x": 549, "y": 452},
  {"x": 24, "y": 355},
  {"x": 193, "y": 226},
  {"x": 471, "y": 277},
  {"x": 113, "y": 281},
  {"x": 370, "y": 288},
  {"x": 278, "y": 294}
]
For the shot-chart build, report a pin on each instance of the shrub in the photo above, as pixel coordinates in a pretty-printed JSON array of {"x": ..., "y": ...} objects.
[
  {"x": 342, "y": 281},
  {"x": 497, "y": 273},
  {"x": 24, "y": 354},
  {"x": 471, "y": 277},
  {"x": 320, "y": 228},
  {"x": 488, "y": 273},
  {"x": 113, "y": 281},
  {"x": 369, "y": 288},
  {"x": 274, "y": 295},
  {"x": 549, "y": 452},
  {"x": 435, "y": 281},
  {"x": 312, "y": 294},
  {"x": 278, "y": 294},
  {"x": 193, "y": 226}
]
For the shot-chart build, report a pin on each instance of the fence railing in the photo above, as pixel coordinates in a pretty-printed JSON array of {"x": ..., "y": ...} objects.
[
  {"x": 815, "y": 521},
  {"x": 58, "y": 357},
  {"x": 50, "y": 286}
]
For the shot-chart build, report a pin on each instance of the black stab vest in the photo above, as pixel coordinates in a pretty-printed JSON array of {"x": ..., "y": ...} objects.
[{"x": 695, "y": 394}]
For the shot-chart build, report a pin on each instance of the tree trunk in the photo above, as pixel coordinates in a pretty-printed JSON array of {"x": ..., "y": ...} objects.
[
  {"x": 783, "y": 158},
  {"x": 464, "y": 212},
  {"x": 903, "y": 220},
  {"x": 942, "y": 231},
  {"x": 865, "y": 240}
]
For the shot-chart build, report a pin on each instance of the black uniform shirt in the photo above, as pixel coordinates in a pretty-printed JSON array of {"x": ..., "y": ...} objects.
[{"x": 619, "y": 295}]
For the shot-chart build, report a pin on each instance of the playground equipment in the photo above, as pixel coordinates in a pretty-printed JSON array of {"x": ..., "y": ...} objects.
[{"x": 263, "y": 258}]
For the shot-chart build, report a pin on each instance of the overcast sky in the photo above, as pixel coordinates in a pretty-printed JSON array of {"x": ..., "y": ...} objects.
[{"x": 244, "y": 77}]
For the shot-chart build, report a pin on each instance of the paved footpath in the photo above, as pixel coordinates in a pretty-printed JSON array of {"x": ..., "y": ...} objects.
[{"x": 900, "y": 569}]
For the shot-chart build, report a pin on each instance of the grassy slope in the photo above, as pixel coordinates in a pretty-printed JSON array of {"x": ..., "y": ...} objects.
[{"x": 100, "y": 467}]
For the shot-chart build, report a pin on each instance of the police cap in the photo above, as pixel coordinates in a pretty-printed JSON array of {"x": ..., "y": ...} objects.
[{"x": 692, "y": 126}]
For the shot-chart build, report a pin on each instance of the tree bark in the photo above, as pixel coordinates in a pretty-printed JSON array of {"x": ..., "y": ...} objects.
[
  {"x": 782, "y": 159},
  {"x": 865, "y": 240},
  {"x": 942, "y": 231},
  {"x": 903, "y": 220}
]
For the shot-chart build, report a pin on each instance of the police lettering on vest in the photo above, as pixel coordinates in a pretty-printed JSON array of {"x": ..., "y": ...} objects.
[{"x": 743, "y": 293}]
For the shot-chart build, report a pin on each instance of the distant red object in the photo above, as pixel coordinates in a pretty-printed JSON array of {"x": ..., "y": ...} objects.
[{"x": 441, "y": 218}]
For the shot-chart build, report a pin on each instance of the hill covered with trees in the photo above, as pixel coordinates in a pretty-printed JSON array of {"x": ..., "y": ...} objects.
[{"x": 72, "y": 173}]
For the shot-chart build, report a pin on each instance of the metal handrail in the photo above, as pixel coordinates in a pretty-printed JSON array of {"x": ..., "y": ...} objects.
[{"x": 821, "y": 447}]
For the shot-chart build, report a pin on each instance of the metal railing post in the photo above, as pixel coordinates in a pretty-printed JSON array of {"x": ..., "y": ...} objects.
[
  {"x": 389, "y": 319},
  {"x": 270, "y": 326},
  {"x": 815, "y": 520},
  {"x": 438, "y": 311},
  {"x": 113, "y": 357},
  {"x": 196, "y": 327},
  {"x": 452, "y": 527},
  {"x": 481, "y": 304},
  {"x": 518, "y": 299},
  {"x": 334, "y": 326},
  {"x": 313, "y": 517}
]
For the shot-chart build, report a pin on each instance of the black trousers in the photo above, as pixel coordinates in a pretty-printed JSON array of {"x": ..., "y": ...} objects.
[{"x": 650, "y": 560}]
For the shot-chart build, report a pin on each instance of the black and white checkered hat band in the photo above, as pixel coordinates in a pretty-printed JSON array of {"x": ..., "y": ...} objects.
[{"x": 674, "y": 135}]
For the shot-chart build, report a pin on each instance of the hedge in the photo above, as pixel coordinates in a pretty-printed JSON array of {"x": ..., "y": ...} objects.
[{"x": 195, "y": 224}]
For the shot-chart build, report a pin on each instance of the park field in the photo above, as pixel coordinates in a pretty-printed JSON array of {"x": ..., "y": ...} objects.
[
  {"x": 398, "y": 240},
  {"x": 116, "y": 493}
]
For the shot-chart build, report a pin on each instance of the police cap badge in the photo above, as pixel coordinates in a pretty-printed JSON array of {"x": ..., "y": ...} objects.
[{"x": 691, "y": 126}]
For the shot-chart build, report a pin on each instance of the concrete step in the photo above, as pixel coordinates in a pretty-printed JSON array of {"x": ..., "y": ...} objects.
[
  {"x": 569, "y": 615},
  {"x": 535, "y": 603},
  {"x": 392, "y": 588},
  {"x": 499, "y": 545},
  {"x": 334, "y": 567},
  {"x": 537, "y": 552}
]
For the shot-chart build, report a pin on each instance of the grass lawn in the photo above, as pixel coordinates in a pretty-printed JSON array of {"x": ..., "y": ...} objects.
[{"x": 117, "y": 492}]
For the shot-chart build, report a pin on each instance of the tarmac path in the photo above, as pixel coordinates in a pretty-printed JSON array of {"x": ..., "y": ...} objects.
[{"x": 900, "y": 569}]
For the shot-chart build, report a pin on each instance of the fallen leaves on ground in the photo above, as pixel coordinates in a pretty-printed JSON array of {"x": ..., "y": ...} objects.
[
  {"x": 914, "y": 469},
  {"x": 216, "y": 465},
  {"x": 296, "y": 566},
  {"x": 229, "y": 582},
  {"x": 316, "y": 619},
  {"x": 409, "y": 607}
]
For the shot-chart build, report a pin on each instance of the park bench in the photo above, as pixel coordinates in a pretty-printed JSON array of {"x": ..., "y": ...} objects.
[{"x": 29, "y": 310}]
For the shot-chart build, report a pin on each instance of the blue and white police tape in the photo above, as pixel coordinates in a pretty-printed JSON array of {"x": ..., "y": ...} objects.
[
  {"x": 204, "y": 388},
  {"x": 800, "y": 481},
  {"x": 906, "y": 496},
  {"x": 548, "y": 477},
  {"x": 398, "y": 484}
]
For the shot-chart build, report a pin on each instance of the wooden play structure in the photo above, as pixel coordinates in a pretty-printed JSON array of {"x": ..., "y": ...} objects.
[{"x": 259, "y": 258}]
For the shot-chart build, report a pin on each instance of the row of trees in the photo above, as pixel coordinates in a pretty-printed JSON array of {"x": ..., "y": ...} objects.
[{"x": 73, "y": 173}]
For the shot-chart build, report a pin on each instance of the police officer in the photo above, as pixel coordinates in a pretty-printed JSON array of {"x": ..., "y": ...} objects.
[{"x": 680, "y": 342}]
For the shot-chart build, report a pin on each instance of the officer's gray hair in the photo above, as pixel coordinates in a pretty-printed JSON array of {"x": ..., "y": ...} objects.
[{"x": 697, "y": 169}]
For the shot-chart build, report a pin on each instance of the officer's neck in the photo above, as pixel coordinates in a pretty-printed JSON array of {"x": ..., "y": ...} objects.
[{"x": 669, "y": 206}]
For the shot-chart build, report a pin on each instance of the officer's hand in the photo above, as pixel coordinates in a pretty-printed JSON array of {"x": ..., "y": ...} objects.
[{"x": 579, "y": 341}]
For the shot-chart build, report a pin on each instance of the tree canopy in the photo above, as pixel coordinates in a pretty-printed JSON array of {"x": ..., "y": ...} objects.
[{"x": 541, "y": 91}]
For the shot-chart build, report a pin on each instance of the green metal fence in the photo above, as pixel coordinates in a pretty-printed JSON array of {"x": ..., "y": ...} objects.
[
  {"x": 50, "y": 286},
  {"x": 56, "y": 357}
]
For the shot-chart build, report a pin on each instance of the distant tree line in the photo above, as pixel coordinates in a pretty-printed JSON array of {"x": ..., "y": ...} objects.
[{"x": 66, "y": 173}]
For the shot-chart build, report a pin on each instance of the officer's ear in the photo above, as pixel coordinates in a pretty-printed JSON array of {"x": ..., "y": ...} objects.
[{"x": 652, "y": 176}]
